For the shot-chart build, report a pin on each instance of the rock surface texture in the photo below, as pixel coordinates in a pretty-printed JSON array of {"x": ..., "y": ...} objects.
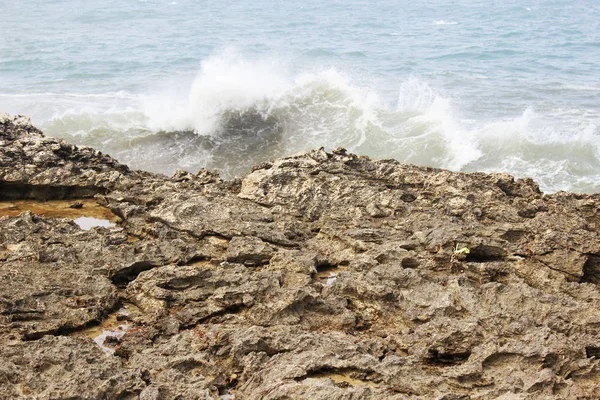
[{"x": 318, "y": 276}]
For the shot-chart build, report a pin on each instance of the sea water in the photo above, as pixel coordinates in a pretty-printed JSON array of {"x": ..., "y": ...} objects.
[{"x": 467, "y": 85}]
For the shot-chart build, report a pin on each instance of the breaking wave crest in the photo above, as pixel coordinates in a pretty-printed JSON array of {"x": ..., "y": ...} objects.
[{"x": 238, "y": 112}]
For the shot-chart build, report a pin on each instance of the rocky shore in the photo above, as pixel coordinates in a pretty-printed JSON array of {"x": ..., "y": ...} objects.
[{"x": 317, "y": 276}]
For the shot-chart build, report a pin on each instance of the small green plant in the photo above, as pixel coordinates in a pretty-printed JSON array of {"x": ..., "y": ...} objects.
[
  {"x": 459, "y": 254},
  {"x": 464, "y": 250}
]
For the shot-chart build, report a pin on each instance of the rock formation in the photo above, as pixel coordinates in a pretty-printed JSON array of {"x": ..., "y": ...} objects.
[{"x": 317, "y": 276}]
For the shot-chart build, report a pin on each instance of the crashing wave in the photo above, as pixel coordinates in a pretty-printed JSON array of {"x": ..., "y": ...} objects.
[{"x": 239, "y": 112}]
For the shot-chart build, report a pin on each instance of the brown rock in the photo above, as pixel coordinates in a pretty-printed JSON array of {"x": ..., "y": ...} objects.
[{"x": 318, "y": 276}]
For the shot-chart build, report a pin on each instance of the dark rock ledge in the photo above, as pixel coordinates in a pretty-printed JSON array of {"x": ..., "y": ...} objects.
[{"x": 317, "y": 276}]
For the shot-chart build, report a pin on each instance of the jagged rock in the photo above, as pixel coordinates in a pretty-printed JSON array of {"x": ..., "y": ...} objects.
[
  {"x": 317, "y": 276},
  {"x": 63, "y": 367},
  {"x": 39, "y": 167},
  {"x": 249, "y": 251}
]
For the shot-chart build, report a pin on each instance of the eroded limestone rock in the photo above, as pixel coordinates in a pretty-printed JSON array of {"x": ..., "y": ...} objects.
[{"x": 318, "y": 276}]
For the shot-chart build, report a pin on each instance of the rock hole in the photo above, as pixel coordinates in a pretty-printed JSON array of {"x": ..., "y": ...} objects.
[
  {"x": 485, "y": 253},
  {"x": 592, "y": 351},
  {"x": 513, "y": 235},
  {"x": 410, "y": 263},
  {"x": 198, "y": 259},
  {"x": 122, "y": 277},
  {"x": 408, "y": 197},
  {"x": 591, "y": 270},
  {"x": 550, "y": 360},
  {"x": 441, "y": 358},
  {"x": 409, "y": 245},
  {"x": 327, "y": 273},
  {"x": 19, "y": 191}
]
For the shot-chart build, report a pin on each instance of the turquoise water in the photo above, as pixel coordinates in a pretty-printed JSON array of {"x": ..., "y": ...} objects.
[{"x": 466, "y": 85}]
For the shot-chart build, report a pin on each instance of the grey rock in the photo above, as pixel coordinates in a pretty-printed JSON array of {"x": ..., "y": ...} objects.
[
  {"x": 63, "y": 367},
  {"x": 317, "y": 276}
]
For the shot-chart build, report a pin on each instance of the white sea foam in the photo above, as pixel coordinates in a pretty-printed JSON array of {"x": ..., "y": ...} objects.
[
  {"x": 315, "y": 108},
  {"x": 432, "y": 121},
  {"x": 581, "y": 88},
  {"x": 238, "y": 111},
  {"x": 442, "y": 22},
  {"x": 314, "y": 76}
]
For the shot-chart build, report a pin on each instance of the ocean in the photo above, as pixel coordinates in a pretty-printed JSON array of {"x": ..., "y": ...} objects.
[{"x": 469, "y": 85}]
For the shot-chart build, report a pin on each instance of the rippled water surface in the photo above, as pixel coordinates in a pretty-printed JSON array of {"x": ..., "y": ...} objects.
[{"x": 467, "y": 85}]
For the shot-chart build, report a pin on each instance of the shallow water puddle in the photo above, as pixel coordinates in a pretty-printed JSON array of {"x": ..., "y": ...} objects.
[
  {"x": 86, "y": 213},
  {"x": 110, "y": 330},
  {"x": 328, "y": 275},
  {"x": 329, "y": 279},
  {"x": 87, "y": 223},
  {"x": 227, "y": 396},
  {"x": 103, "y": 339}
]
